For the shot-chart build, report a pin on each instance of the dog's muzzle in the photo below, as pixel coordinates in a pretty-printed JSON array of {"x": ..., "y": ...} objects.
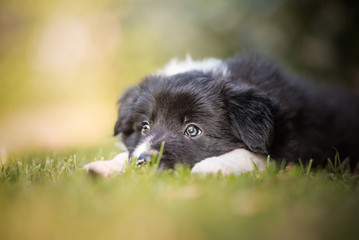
[{"x": 143, "y": 158}]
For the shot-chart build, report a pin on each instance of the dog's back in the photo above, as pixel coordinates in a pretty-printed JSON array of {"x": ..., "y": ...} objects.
[{"x": 311, "y": 121}]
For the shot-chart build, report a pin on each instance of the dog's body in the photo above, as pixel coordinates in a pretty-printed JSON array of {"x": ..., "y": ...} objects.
[{"x": 242, "y": 109}]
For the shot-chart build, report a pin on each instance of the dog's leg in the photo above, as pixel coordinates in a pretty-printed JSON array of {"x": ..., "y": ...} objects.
[
  {"x": 108, "y": 168},
  {"x": 235, "y": 162}
]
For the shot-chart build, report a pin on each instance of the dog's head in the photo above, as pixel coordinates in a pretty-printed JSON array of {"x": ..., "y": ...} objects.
[{"x": 197, "y": 114}]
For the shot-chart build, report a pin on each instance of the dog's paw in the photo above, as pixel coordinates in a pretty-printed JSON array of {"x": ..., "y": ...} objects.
[
  {"x": 235, "y": 162},
  {"x": 108, "y": 168}
]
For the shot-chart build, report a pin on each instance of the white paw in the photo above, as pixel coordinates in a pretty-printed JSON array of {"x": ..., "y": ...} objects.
[
  {"x": 235, "y": 162},
  {"x": 108, "y": 168}
]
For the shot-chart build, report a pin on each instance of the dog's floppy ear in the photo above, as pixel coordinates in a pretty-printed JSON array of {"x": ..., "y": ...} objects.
[
  {"x": 127, "y": 103},
  {"x": 252, "y": 116}
]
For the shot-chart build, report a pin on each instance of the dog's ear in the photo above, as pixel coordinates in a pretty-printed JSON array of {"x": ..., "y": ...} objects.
[
  {"x": 252, "y": 116},
  {"x": 127, "y": 103}
]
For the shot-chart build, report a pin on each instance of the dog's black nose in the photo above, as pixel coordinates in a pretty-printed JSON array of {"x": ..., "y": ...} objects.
[{"x": 143, "y": 158}]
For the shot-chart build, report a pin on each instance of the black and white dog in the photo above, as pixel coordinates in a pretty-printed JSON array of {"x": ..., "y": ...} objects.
[{"x": 218, "y": 115}]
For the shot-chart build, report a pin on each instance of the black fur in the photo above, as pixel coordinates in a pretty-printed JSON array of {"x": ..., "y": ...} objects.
[{"x": 255, "y": 106}]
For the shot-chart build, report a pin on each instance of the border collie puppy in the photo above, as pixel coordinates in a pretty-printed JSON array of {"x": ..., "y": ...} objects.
[{"x": 216, "y": 115}]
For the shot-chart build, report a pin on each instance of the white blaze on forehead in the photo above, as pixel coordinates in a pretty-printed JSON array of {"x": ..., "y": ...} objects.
[
  {"x": 206, "y": 65},
  {"x": 143, "y": 147}
]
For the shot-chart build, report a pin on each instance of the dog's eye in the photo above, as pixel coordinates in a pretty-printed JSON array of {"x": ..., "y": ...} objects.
[
  {"x": 192, "y": 131},
  {"x": 145, "y": 128}
]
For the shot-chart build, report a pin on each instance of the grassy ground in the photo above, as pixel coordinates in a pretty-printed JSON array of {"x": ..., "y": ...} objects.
[{"x": 48, "y": 196}]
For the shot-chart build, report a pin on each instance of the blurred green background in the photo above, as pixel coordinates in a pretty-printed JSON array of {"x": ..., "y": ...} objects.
[{"x": 63, "y": 64}]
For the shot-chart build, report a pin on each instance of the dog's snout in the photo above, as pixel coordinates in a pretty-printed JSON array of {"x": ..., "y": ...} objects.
[{"x": 145, "y": 157}]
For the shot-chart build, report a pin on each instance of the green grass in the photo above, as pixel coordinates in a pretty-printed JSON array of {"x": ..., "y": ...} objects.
[{"x": 48, "y": 196}]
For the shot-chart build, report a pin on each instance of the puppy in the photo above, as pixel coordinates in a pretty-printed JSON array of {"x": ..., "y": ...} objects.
[{"x": 224, "y": 116}]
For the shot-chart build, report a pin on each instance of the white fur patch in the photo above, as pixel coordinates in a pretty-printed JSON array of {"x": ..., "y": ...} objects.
[
  {"x": 110, "y": 167},
  {"x": 121, "y": 145},
  {"x": 235, "y": 162},
  {"x": 142, "y": 147},
  {"x": 176, "y": 66}
]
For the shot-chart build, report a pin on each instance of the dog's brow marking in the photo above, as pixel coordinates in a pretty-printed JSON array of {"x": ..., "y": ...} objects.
[
  {"x": 175, "y": 66},
  {"x": 143, "y": 147}
]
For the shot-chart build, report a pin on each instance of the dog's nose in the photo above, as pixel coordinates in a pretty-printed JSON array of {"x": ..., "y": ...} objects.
[{"x": 143, "y": 158}]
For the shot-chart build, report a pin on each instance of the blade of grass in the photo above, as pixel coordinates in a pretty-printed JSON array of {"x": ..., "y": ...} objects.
[
  {"x": 301, "y": 165},
  {"x": 332, "y": 166},
  {"x": 309, "y": 167},
  {"x": 160, "y": 153},
  {"x": 337, "y": 160},
  {"x": 254, "y": 165}
]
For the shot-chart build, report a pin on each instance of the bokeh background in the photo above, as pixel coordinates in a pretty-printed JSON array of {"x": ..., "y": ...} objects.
[{"x": 63, "y": 64}]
